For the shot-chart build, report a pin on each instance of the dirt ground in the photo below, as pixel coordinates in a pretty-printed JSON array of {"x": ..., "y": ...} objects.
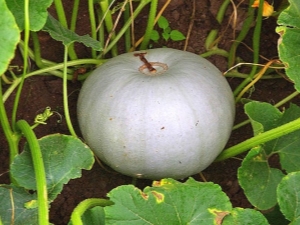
[{"x": 42, "y": 91}]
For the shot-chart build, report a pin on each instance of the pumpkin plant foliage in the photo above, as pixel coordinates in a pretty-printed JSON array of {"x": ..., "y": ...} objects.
[
  {"x": 64, "y": 157},
  {"x": 172, "y": 202},
  {"x": 178, "y": 202},
  {"x": 288, "y": 44}
]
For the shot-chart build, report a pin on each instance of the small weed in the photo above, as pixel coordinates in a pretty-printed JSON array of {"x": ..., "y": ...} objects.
[{"x": 166, "y": 33}]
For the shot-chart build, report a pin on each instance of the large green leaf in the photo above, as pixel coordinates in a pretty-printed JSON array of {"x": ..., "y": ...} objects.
[
  {"x": 60, "y": 33},
  {"x": 288, "y": 192},
  {"x": 37, "y": 12},
  {"x": 256, "y": 177},
  {"x": 9, "y": 36},
  {"x": 289, "y": 43},
  {"x": 167, "y": 202},
  {"x": 15, "y": 205},
  {"x": 258, "y": 180},
  {"x": 172, "y": 202},
  {"x": 64, "y": 157}
]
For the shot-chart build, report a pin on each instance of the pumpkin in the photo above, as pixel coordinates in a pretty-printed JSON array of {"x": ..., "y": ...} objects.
[{"x": 160, "y": 113}]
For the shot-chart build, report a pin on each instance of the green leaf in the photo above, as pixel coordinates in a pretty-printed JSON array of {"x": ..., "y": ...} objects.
[
  {"x": 13, "y": 202},
  {"x": 37, "y": 12},
  {"x": 64, "y": 157},
  {"x": 289, "y": 44},
  {"x": 9, "y": 36},
  {"x": 168, "y": 200},
  {"x": 154, "y": 35},
  {"x": 288, "y": 193},
  {"x": 290, "y": 16},
  {"x": 165, "y": 36},
  {"x": 275, "y": 217},
  {"x": 263, "y": 116},
  {"x": 162, "y": 22},
  {"x": 239, "y": 216},
  {"x": 176, "y": 35},
  {"x": 258, "y": 180},
  {"x": 60, "y": 33}
]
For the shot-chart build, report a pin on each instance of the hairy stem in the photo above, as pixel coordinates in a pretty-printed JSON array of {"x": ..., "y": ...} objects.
[
  {"x": 259, "y": 139},
  {"x": 39, "y": 170},
  {"x": 53, "y": 70},
  {"x": 150, "y": 25},
  {"x": 84, "y": 206},
  {"x": 211, "y": 37},
  {"x": 104, "y": 5},
  {"x": 65, "y": 94},
  {"x": 25, "y": 62},
  {"x": 63, "y": 20},
  {"x": 92, "y": 24}
]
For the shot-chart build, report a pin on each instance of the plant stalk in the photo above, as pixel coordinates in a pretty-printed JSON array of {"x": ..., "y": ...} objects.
[
  {"x": 211, "y": 37},
  {"x": 39, "y": 170},
  {"x": 150, "y": 25},
  {"x": 63, "y": 20},
  {"x": 139, "y": 8},
  {"x": 104, "y": 5},
  {"x": 53, "y": 70},
  {"x": 25, "y": 62},
  {"x": 65, "y": 94},
  {"x": 85, "y": 205},
  {"x": 259, "y": 139},
  {"x": 92, "y": 23}
]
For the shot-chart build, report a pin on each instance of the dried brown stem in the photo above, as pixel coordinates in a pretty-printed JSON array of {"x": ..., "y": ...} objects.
[{"x": 145, "y": 61}]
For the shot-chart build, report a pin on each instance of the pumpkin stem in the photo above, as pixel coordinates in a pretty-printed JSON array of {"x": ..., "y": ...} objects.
[{"x": 145, "y": 61}]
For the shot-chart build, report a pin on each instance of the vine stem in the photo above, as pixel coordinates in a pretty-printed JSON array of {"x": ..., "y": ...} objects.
[
  {"x": 242, "y": 34},
  {"x": 104, "y": 5},
  {"x": 39, "y": 170},
  {"x": 65, "y": 94},
  {"x": 85, "y": 205},
  {"x": 92, "y": 24},
  {"x": 150, "y": 25},
  {"x": 257, "y": 77},
  {"x": 256, "y": 46},
  {"x": 137, "y": 43},
  {"x": 141, "y": 5},
  {"x": 211, "y": 37},
  {"x": 63, "y": 20},
  {"x": 53, "y": 71},
  {"x": 9, "y": 134},
  {"x": 259, "y": 139},
  {"x": 25, "y": 64},
  {"x": 277, "y": 105}
]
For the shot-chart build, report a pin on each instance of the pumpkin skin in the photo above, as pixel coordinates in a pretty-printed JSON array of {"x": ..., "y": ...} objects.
[{"x": 168, "y": 124}]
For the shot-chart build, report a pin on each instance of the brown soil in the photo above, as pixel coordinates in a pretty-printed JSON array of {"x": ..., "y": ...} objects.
[{"x": 42, "y": 91}]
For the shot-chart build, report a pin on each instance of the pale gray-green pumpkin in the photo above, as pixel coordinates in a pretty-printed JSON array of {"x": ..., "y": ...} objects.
[{"x": 170, "y": 123}]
